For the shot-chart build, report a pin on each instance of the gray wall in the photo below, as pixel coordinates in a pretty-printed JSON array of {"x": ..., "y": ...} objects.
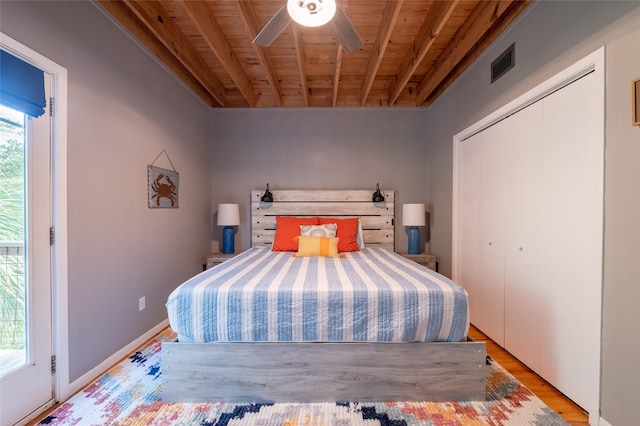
[
  {"x": 316, "y": 149},
  {"x": 123, "y": 109},
  {"x": 550, "y": 37}
]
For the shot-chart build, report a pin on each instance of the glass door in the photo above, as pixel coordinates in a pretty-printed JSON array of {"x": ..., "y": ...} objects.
[
  {"x": 13, "y": 343},
  {"x": 26, "y": 376}
]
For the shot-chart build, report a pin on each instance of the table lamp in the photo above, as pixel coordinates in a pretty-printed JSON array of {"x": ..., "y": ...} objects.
[
  {"x": 228, "y": 216},
  {"x": 413, "y": 215}
]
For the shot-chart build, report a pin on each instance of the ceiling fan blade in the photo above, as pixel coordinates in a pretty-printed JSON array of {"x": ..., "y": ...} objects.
[
  {"x": 344, "y": 31},
  {"x": 276, "y": 25}
]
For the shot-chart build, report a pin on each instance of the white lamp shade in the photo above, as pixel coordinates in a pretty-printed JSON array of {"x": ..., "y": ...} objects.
[
  {"x": 413, "y": 215},
  {"x": 311, "y": 13},
  {"x": 228, "y": 215}
]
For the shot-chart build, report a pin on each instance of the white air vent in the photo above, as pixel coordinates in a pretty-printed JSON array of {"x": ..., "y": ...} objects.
[{"x": 503, "y": 63}]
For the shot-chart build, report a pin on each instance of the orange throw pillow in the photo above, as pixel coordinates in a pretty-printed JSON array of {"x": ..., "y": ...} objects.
[
  {"x": 317, "y": 247},
  {"x": 287, "y": 228},
  {"x": 347, "y": 231}
]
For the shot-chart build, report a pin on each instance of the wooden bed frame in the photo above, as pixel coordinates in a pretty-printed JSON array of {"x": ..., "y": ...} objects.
[{"x": 323, "y": 372}]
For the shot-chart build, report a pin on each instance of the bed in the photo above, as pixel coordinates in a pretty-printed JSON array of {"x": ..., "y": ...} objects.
[{"x": 357, "y": 324}]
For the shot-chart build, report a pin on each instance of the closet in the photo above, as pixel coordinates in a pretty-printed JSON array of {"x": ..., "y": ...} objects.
[{"x": 528, "y": 202}]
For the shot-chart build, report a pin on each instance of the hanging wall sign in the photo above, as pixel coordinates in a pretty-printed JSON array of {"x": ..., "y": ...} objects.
[{"x": 162, "y": 185}]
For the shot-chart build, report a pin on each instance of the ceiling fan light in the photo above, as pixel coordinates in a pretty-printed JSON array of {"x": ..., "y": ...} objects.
[{"x": 311, "y": 13}]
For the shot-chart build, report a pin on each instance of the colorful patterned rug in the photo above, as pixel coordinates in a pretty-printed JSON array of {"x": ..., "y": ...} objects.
[{"x": 130, "y": 394}]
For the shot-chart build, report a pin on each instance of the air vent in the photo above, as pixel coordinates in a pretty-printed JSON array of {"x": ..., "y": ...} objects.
[{"x": 503, "y": 63}]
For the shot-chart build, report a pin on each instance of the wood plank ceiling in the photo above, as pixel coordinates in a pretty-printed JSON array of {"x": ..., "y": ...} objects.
[{"x": 413, "y": 49}]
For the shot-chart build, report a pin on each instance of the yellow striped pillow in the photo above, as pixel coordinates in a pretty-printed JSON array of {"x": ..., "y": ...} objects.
[{"x": 317, "y": 247}]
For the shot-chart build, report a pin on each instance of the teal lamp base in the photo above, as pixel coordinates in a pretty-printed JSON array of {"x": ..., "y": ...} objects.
[
  {"x": 414, "y": 239},
  {"x": 227, "y": 239}
]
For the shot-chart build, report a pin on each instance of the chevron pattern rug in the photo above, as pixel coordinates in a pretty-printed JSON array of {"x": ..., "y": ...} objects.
[{"x": 130, "y": 393}]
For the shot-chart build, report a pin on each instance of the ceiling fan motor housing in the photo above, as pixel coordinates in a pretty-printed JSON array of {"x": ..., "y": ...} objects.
[{"x": 311, "y": 13}]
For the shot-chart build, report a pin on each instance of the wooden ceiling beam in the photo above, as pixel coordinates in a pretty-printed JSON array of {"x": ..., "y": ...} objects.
[
  {"x": 208, "y": 27},
  {"x": 435, "y": 20},
  {"x": 139, "y": 31},
  {"x": 336, "y": 72},
  {"x": 476, "y": 25},
  {"x": 158, "y": 22},
  {"x": 389, "y": 18},
  {"x": 248, "y": 15},
  {"x": 297, "y": 41},
  {"x": 487, "y": 21},
  {"x": 336, "y": 77}
]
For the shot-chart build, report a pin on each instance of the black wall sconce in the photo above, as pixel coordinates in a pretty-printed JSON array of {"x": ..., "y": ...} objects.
[
  {"x": 268, "y": 196},
  {"x": 377, "y": 196}
]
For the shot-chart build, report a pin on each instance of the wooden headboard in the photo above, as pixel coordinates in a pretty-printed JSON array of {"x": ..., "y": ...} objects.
[{"x": 377, "y": 218}]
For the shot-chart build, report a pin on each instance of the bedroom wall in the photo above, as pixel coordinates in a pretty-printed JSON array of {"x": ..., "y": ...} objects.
[
  {"x": 545, "y": 45},
  {"x": 316, "y": 149},
  {"x": 123, "y": 109}
]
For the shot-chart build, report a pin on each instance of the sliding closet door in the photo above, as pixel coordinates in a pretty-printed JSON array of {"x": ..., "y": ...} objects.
[
  {"x": 493, "y": 213},
  {"x": 500, "y": 250},
  {"x": 573, "y": 199},
  {"x": 524, "y": 265},
  {"x": 469, "y": 222},
  {"x": 483, "y": 209}
]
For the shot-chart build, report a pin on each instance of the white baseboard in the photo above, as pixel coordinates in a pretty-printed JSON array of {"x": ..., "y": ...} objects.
[
  {"x": 603, "y": 422},
  {"x": 99, "y": 369}
]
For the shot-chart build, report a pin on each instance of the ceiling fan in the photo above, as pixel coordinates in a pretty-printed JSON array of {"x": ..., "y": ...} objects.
[{"x": 311, "y": 13}]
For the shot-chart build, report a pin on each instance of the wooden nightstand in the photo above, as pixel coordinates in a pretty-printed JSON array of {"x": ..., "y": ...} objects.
[
  {"x": 217, "y": 258},
  {"x": 428, "y": 260}
]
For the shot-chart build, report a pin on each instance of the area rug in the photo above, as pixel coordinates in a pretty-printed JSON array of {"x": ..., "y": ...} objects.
[{"x": 130, "y": 393}]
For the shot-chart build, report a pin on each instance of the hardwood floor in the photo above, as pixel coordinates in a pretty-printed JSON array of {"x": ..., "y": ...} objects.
[{"x": 569, "y": 411}]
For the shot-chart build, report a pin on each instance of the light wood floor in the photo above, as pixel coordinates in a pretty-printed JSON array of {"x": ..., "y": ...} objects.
[{"x": 569, "y": 411}]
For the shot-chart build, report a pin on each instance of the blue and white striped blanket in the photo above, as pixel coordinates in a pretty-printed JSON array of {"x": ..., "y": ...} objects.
[{"x": 370, "y": 295}]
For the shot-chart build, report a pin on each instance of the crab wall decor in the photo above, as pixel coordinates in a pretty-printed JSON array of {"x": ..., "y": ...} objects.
[{"x": 162, "y": 188}]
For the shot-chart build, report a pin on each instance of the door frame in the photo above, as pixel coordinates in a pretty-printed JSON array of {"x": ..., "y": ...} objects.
[{"x": 59, "y": 257}]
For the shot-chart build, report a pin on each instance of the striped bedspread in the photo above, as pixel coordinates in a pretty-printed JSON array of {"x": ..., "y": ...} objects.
[{"x": 371, "y": 295}]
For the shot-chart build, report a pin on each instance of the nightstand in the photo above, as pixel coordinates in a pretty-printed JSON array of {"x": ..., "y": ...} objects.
[
  {"x": 217, "y": 258},
  {"x": 428, "y": 260}
]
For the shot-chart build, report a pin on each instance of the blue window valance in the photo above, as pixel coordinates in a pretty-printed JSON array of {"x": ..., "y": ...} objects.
[{"x": 21, "y": 85}]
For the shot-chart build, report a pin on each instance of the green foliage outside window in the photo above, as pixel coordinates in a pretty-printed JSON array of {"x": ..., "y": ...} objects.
[
  {"x": 12, "y": 231},
  {"x": 11, "y": 190}
]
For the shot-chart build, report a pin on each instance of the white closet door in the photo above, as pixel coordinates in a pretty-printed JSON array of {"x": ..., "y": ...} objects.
[
  {"x": 493, "y": 211},
  {"x": 573, "y": 188},
  {"x": 524, "y": 266},
  {"x": 469, "y": 223}
]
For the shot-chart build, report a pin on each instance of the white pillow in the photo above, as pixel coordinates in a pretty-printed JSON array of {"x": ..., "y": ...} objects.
[
  {"x": 326, "y": 230},
  {"x": 359, "y": 235}
]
